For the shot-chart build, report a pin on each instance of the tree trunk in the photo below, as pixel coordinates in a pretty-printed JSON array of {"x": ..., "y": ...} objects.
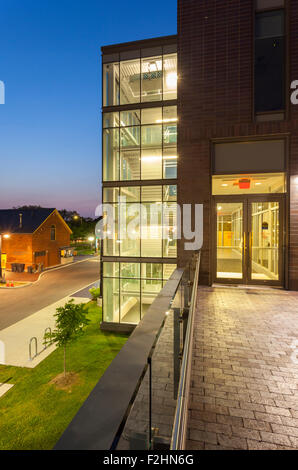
[{"x": 64, "y": 361}]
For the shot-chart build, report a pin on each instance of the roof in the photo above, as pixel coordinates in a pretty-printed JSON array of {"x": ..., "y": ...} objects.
[
  {"x": 157, "y": 41},
  {"x": 31, "y": 219}
]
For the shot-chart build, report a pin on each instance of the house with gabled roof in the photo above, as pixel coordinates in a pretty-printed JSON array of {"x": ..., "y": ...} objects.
[{"x": 34, "y": 237}]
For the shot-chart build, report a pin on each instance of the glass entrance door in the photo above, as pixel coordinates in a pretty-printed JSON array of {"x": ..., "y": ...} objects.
[
  {"x": 230, "y": 234},
  {"x": 249, "y": 240},
  {"x": 265, "y": 241}
]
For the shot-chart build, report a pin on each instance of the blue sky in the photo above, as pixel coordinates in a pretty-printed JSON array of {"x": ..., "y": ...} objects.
[{"x": 50, "y": 64}]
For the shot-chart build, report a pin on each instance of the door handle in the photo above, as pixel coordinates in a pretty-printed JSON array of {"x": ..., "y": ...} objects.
[{"x": 249, "y": 248}]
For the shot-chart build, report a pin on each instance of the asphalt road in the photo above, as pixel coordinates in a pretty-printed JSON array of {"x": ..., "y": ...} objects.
[{"x": 16, "y": 304}]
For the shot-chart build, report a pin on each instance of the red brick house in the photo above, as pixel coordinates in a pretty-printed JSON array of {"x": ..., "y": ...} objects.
[{"x": 36, "y": 237}]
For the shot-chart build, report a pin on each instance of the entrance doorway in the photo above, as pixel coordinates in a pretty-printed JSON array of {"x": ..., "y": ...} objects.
[{"x": 249, "y": 239}]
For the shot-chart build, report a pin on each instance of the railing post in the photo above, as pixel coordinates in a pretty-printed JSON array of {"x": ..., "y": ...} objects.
[
  {"x": 176, "y": 347},
  {"x": 150, "y": 401}
]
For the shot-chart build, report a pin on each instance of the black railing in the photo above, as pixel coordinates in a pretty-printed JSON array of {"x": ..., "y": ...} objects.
[
  {"x": 179, "y": 434},
  {"x": 101, "y": 420}
]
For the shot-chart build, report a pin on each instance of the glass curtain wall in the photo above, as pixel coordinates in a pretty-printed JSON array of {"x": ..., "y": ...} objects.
[
  {"x": 140, "y": 80},
  {"x": 140, "y": 144},
  {"x": 149, "y": 215},
  {"x": 130, "y": 288}
]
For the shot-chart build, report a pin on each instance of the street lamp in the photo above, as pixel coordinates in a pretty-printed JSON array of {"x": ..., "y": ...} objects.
[
  {"x": 91, "y": 240},
  {"x": 5, "y": 235},
  {"x": 77, "y": 217}
]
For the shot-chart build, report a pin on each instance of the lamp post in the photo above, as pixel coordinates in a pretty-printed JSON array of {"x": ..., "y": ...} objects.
[
  {"x": 91, "y": 240},
  {"x": 77, "y": 217},
  {"x": 6, "y": 235}
]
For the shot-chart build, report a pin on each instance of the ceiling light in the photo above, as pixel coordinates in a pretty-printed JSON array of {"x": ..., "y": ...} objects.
[
  {"x": 225, "y": 184},
  {"x": 159, "y": 121},
  {"x": 171, "y": 80}
]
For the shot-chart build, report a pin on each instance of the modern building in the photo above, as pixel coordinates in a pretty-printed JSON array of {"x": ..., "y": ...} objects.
[
  {"x": 204, "y": 117},
  {"x": 34, "y": 237}
]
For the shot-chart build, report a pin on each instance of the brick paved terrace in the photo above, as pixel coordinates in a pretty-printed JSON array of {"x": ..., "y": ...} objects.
[{"x": 244, "y": 380}]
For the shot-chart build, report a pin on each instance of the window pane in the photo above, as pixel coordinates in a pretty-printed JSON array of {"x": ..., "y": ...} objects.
[
  {"x": 130, "y": 224},
  {"x": 130, "y": 300},
  {"x": 151, "y": 157},
  {"x": 152, "y": 116},
  {"x": 265, "y": 247},
  {"x": 152, "y": 79},
  {"x": 261, "y": 183},
  {"x": 170, "y": 193},
  {"x": 111, "y": 300},
  {"x": 169, "y": 230},
  {"x": 151, "y": 230},
  {"x": 170, "y": 77},
  {"x": 130, "y": 270},
  {"x": 111, "y": 84},
  {"x": 130, "y": 81},
  {"x": 110, "y": 120},
  {"x": 152, "y": 193},
  {"x": 151, "y": 271},
  {"x": 111, "y": 154},
  {"x": 168, "y": 270},
  {"x": 151, "y": 136},
  {"x": 110, "y": 194},
  {"x": 132, "y": 193},
  {"x": 269, "y": 24},
  {"x": 229, "y": 240},
  {"x": 170, "y": 134},
  {"x": 110, "y": 245},
  {"x": 110, "y": 269},
  {"x": 151, "y": 164},
  {"x": 170, "y": 162},
  {"x": 170, "y": 114},
  {"x": 269, "y": 62},
  {"x": 150, "y": 290},
  {"x": 130, "y": 118},
  {"x": 130, "y": 153}
]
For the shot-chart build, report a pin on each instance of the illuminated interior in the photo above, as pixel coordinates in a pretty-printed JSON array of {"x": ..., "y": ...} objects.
[
  {"x": 140, "y": 144},
  {"x": 262, "y": 242},
  {"x": 140, "y": 80},
  {"x": 265, "y": 183},
  {"x": 130, "y": 288}
]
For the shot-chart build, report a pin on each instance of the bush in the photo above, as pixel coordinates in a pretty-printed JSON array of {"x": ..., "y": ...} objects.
[{"x": 95, "y": 292}]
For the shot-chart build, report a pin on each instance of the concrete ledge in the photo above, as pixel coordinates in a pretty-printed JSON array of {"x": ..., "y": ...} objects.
[{"x": 126, "y": 328}]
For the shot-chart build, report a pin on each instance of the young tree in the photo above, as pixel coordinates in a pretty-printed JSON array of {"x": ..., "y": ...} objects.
[{"x": 70, "y": 323}]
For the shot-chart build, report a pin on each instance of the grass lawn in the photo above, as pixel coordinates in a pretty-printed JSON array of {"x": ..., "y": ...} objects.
[
  {"x": 83, "y": 249},
  {"x": 34, "y": 413}
]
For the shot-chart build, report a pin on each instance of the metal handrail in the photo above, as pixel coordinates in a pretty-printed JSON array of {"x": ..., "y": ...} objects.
[
  {"x": 181, "y": 415},
  {"x": 100, "y": 421}
]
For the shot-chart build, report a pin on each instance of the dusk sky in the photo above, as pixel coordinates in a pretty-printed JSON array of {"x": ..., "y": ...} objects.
[{"x": 50, "y": 63}]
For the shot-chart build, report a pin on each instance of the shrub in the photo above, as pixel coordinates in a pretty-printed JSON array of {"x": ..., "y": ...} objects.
[{"x": 95, "y": 292}]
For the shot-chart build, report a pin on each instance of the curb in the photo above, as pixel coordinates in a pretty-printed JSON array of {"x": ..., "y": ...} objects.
[
  {"x": 27, "y": 284},
  {"x": 31, "y": 283}
]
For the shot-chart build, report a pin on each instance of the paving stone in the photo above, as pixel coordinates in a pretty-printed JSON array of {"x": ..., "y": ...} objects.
[{"x": 243, "y": 361}]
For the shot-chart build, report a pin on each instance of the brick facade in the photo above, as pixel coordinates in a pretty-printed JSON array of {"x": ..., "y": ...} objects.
[
  {"x": 21, "y": 247},
  {"x": 215, "y": 100}
]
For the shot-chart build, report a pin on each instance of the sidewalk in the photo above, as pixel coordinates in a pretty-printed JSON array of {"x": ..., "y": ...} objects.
[
  {"x": 16, "y": 338},
  {"x": 244, "y": 387},
  {"x": 24, "y": 277}
]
